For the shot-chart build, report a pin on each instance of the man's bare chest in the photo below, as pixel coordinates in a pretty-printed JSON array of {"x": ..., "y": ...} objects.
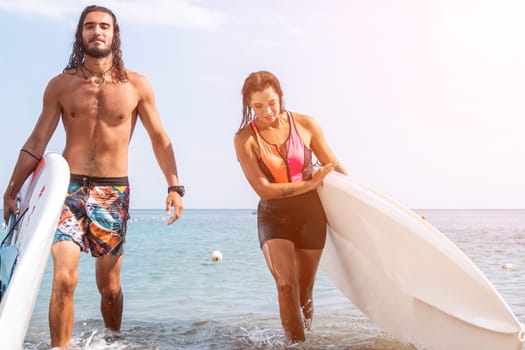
[{"x": 106, "y": 102}]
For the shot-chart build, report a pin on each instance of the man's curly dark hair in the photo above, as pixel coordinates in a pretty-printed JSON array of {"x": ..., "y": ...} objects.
[{"x": 78, "y": 55}]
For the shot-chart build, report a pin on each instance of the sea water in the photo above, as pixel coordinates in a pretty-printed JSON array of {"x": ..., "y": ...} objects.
[{"x": 176, "y": 297}]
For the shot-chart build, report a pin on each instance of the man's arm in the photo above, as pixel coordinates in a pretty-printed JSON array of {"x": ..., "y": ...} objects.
[
  {"x": 34, "y": 147},
  {"x": 160, "y": 142}
]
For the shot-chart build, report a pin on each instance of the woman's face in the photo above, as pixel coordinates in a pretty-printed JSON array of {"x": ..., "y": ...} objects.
[{"x": 265, "y": 105}]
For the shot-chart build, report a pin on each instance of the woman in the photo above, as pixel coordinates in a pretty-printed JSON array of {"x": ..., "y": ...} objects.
[{"x": 274, "y": 147}]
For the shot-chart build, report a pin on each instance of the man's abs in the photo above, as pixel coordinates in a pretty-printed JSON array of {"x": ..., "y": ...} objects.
[
  {"x": 99, "y": 122},
  {"x": 99, "y": 150}
]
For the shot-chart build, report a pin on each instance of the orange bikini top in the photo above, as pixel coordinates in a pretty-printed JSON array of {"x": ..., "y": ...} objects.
[{"x": 295, "y": 165}]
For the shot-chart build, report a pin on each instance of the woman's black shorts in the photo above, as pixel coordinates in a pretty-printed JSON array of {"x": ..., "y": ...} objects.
[{"x": 300, "y": 219}]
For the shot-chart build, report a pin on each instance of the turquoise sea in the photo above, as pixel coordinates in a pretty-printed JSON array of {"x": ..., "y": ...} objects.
[{"x": 175, "y": 297}]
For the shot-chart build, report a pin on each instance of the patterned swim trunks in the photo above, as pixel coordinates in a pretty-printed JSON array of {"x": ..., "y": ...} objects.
[{"x": 95, "y": 214}]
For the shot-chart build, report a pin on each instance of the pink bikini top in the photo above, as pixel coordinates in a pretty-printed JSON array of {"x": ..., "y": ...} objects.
[{"x": 295, "y": 165}]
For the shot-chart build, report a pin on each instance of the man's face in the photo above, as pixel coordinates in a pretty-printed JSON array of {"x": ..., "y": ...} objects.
[{"x": 97, "y": 34}]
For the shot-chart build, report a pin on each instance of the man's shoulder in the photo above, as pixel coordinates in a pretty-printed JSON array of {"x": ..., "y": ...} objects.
[
  {"x": 135, "y": 76},
  {"x": 70, "y": 71},
  {"x": 138, "y": 81},
  {"x": 63, "y": 78},
  {"x": 68, "y": 74}
]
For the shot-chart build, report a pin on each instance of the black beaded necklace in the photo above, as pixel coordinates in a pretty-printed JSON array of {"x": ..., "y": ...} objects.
[{"x": 99, "y": 77}]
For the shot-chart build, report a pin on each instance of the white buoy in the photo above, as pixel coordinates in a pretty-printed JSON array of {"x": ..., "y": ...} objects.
[
  {"x": 216, "y": 256},
  {"x": 507, "y": 266}
]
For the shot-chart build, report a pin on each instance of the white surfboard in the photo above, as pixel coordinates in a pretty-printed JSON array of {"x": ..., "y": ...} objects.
[
  {"x": 407, "y": 277},
  {"x": 40, "y": 200}
]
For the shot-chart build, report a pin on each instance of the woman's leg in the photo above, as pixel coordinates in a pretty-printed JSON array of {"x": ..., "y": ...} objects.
[
  {"x": 306, "y": 264},
  {"x": 280, "y": 258}
]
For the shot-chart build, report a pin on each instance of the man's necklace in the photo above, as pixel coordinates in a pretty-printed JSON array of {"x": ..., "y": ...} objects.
[{"x": 98, "y": 77}]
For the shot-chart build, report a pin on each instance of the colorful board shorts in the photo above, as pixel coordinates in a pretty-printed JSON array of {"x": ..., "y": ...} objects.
[
  {"x": 300, "y": 219},
  {"x": 95, "y": 214}
]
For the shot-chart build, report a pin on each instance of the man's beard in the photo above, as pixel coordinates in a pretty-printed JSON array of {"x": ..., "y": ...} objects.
[{"x": 96, "y": 52}]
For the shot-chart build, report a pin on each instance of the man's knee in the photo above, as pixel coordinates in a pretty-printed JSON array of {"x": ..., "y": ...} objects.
[
  {"x": 65, "y": 282},
  {"x": 111, "y": 293}
]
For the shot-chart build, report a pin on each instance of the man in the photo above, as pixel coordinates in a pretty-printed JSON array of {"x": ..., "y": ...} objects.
[{"x": 99, "y": 102}]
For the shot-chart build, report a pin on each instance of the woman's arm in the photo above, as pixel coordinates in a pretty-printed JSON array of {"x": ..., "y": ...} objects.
[
  {"x": 318, "y": 143},
  {"x": 247, "y": 157}
]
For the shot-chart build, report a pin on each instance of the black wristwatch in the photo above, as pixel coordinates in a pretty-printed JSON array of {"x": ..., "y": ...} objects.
[{"x": 179, "y": 189}]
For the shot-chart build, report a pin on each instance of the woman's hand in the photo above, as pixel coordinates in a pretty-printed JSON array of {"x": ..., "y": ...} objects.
[{"x": 319, "y": 174}]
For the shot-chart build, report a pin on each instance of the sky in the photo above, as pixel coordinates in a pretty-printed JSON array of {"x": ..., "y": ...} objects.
[{"x": 421, "y": 100}]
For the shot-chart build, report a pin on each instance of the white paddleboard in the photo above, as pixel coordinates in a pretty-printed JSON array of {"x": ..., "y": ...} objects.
[
  {"x": 407, "y": 277},
  {"x": 40, "y": 201}
]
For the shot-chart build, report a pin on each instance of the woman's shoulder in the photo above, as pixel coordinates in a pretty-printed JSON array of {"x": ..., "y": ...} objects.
[
  {"x": 304, "y": 120},
  {"x": 244, "y": 134},
  {"x": 244, "y": 141}
]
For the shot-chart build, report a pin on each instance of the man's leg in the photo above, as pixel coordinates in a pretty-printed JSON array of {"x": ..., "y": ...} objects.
[
  {"x": 61, "y": 306},
  {"x": 108, "y": 283}
]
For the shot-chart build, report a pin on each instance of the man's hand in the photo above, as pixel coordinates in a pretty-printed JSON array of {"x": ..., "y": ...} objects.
[
  {"x": 174, "y": 201},
  {"x": 9, "y": 207}
]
